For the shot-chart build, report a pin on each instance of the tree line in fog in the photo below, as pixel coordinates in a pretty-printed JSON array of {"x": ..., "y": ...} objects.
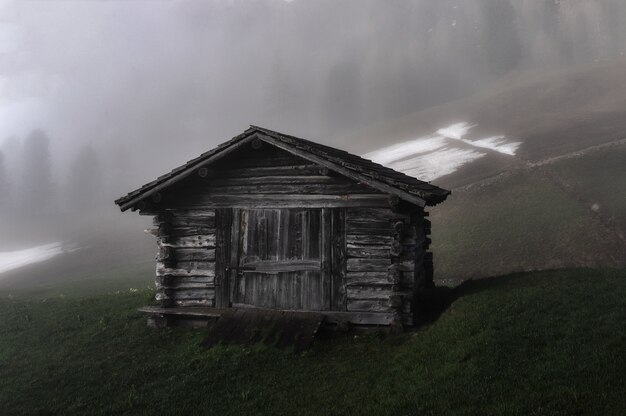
[{"x": 31, "y": 185}]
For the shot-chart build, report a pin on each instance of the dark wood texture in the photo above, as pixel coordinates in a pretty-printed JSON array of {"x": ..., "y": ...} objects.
[
  {"x": 257, "y": 140},
  {"x": 338, "y": 259},
  {"x": 186, "y": 273},
  {"x": 331, "y": 317},
  {"x": 223, "y": 221},
  {"x": 280, "y": 264},
  {"x": 270, "y": 229}
]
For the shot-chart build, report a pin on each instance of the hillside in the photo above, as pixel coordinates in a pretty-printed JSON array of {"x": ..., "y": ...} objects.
[
  {"x": 101, "y": 251},
  {"x": 536, "y": 343},
  {"x": 569, "y": 213},
  {"x": 549, "y": 112},
  {"x": 537, "y": 166},
  {"x": 536, "y": 163}
]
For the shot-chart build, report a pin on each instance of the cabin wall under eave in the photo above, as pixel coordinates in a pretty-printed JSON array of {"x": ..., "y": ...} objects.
[
  {"x": 269, "y": 178},
  {"x": 185, "y": 272},
  {"x": 381, "y": 256},
  {"x": 384, "y": 261}
]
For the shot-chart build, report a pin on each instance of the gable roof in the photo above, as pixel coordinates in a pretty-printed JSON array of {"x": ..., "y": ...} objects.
[{"x": 352, "y": 166}]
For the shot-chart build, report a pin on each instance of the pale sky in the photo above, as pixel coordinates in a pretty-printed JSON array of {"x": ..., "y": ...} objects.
[{"x": 174, "y": 78}]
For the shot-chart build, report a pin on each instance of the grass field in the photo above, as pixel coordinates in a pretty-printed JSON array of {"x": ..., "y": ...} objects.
[
  {"x": 536, "y": 219},
  {"x": 523, "y": 222},
  {"x": 549, "y": 343},
  {"x": 599, "y": 178}
]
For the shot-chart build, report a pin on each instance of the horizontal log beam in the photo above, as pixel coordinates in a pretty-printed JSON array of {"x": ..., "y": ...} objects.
[
  {"x": 374, "y": 265},
  {"x": 184, "y": 254},
  {"x": 162, "y": 270},
  {"x": 193, "y": 302},
  {"x": 361, "y": 240},
  {"x": 372, "y": 278},
  {"x": 372, "y": 229},
  {"x": 281, "y": 180},
  {"x": 197, "y": 241},
  {"x": 190, "y": 212},
  {"x": 374, "y": 214},
  {"x": 278, "y": 189},
  {"x": 208, "y": 294},
  {"x": 174, "y": 231},
  {"x": 182, "y": 284},
  {"x": 268, "y": 171},
  {"x": 333, "y": 317},
  {"x": 363, "y": 251},
  {"x": 167, "y": 280},
  {"x": 281, "y": 266},
  {"x": 363, "y": 292},
  {"x": 368, "y": 306},
  {"x": 193, "y": 221},
  {"x": 289, "y": 201}
]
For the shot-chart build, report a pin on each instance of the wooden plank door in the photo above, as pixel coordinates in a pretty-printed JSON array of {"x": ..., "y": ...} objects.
[{"x": 281, "y": 261}]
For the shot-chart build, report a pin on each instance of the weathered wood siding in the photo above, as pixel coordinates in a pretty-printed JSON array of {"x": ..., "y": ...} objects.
[
  {"x": 378, "y": 258},
  {"x": 384, "y": 254},
  {"x": 185, "y": 272},
  {"x": 269, "y": 178}
]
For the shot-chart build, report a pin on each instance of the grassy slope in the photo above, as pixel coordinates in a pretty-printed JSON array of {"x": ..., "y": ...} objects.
[
  {"x": 599, "y": 177},
  {"x": 535, "y": 219},
  {"x": 114, "y": 253},
  {"x": 541, "y": 343}
]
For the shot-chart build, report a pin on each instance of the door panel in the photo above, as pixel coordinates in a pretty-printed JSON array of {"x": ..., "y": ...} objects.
[{"x": 279, "y": 261}]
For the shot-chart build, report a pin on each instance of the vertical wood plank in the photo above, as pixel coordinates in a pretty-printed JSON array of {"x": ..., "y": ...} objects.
[
  {"x": 262, "y": 237},
  {"x": 297, "y": 290},
  {"x": 326, "y": 258},
  {"x": 223, "y": 225},
  {"x": 338, "y": 262},
  {"x": 235, "y": 242}
]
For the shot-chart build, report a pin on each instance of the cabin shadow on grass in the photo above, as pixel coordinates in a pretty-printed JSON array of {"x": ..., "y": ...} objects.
[
  {"x": 435, "y": 301},
  {"x": 298, "y": 330}
]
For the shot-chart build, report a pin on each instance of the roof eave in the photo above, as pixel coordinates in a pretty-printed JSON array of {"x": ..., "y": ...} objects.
[
  {"x": 126, "y": 203},
  {"x": 414, "y": 199},
  {"x": 285, "y": 143}
]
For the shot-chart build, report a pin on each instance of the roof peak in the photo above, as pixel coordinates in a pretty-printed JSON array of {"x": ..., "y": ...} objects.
[{"x": 379, "y": 177}]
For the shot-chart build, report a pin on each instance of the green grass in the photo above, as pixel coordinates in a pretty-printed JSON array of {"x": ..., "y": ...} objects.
[
  {"x": 529, "y": 221},
  {"x": 549, "y": 343},
  {"x": 600, "y": 178},
  {"x": 82, "y": 281}
]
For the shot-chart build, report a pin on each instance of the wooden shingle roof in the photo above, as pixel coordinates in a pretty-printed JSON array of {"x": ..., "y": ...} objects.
[{"x": 352, "y": 166}]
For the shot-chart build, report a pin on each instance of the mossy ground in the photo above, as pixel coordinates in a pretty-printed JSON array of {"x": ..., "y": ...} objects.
[{"x": 537, "y": 343}]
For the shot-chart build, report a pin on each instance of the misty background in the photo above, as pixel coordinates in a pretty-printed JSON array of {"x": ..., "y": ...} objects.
[{"x": 99, "y": 97}]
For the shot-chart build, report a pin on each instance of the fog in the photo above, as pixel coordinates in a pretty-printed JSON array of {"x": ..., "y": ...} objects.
[{"x": 99, "y": 97}]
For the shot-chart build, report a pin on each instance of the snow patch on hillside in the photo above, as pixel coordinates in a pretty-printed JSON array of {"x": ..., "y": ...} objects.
[
  {"x": 434, "y": 165},
  {"x": 497, "y": 143},
  {"x": 456, "y": 131},
  {"x": 10, "y": 260},
  {"x": 399, "y": 151},
  {"x": 431, "y": 157}
]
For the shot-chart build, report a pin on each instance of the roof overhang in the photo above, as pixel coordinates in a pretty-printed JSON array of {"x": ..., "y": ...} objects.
[{"x": 298, "y": 147}]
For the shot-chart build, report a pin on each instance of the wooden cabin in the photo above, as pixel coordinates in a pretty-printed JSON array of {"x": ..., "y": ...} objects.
[{"x": 268, "y": 220}]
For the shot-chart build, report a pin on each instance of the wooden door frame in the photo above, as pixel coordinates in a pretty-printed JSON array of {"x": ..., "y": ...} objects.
[
  {"x": 332, "y": 255},
  {"x": 223, "y": 235}
]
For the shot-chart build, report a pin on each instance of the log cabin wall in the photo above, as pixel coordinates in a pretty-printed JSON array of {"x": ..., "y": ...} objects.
[
  {"x": 385, "y": 259},
  {"x": 185, "y": 272},
  {"x": 268, "y": 177},
  {"x": 379, "y": 259}
]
